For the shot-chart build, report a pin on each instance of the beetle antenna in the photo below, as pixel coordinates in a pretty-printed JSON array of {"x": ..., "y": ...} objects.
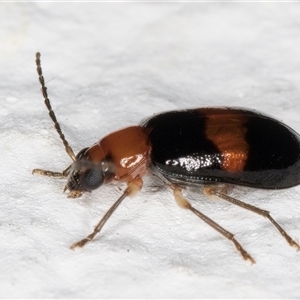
[{"x": 49, "y": 107}]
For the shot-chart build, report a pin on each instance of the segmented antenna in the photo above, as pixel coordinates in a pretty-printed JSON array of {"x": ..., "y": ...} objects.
[{"x": 49, "y": 107}]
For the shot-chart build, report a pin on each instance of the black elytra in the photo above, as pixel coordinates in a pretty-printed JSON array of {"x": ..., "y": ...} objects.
[{"x": 185, "y": 151}]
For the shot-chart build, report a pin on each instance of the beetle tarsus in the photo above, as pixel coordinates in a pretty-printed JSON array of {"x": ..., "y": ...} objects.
[
  {"x": 80, "y": 244},
  {"x": 244, "y": 253}
]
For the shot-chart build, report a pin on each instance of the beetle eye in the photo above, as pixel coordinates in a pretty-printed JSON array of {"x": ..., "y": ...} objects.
[{"x": 91, "y": 179}]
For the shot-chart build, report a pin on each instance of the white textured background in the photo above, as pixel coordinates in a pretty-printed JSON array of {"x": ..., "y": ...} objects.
[{"x": 107, "y": 66}]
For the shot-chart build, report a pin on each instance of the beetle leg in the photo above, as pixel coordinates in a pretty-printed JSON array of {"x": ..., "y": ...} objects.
[
  {"x": 132, "y": 188},
  {"x": 62, "y": 174},
  {"x": 183, "y": 203},
  {"x": 210, "y": 190}
]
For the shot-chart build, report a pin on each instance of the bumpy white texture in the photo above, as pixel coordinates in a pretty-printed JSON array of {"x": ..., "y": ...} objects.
[{"x": 107, "y": 66}]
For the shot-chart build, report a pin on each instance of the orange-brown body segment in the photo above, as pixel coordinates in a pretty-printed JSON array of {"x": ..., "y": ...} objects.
[
  {"x": 127, "y": 150},
  {"x": 229, "y": 136}
]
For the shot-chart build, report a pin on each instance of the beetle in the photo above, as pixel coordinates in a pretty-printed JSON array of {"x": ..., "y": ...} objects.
[{"x": 211, "y": 147}]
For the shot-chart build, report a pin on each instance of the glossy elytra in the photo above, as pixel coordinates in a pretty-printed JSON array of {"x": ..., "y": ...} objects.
[{"x": 214, "y": 148}]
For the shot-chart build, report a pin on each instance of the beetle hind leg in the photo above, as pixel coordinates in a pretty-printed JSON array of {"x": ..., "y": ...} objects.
[
  {"x": 183, "y": 203},
  {"x": 212, "y": 192}
]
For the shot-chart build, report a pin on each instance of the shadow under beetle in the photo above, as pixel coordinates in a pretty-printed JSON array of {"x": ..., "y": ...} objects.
[{"x": 213, "y": 147}]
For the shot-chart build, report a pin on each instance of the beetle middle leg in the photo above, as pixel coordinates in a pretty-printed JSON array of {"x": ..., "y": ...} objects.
[
  {"x": 220, "y": 192},
  {"x": 183, "y": 203}
]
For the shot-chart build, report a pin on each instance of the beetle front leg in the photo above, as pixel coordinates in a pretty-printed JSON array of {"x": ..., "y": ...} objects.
[
  {"x": 133, "y": 187},
  {"x": 48, "y": 173}
]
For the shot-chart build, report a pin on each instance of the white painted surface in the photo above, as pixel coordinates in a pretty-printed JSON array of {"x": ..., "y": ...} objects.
[{"x": 107, "y": 66}]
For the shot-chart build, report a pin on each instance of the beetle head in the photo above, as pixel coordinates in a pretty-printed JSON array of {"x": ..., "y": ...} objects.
[{"x": 86, "y": 175}]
